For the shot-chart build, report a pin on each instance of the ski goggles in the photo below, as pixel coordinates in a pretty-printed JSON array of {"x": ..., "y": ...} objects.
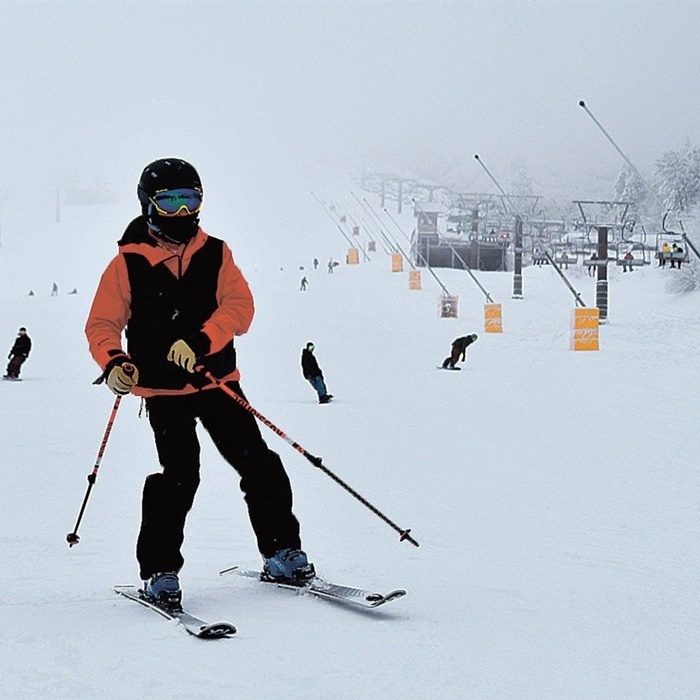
[{"x": 174, "y": 202}]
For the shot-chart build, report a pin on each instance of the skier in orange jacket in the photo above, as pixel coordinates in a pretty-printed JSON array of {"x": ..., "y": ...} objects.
[{"x": 181, "y": 299}]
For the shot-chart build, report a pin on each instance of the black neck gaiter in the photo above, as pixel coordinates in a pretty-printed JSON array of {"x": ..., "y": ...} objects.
[{"x": 174, "y": 229}]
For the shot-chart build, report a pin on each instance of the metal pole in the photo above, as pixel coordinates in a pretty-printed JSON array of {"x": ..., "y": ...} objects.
[
  {"x": 352, "y": 240},
  {"x": 653, "y": 192},
  {"x": 386, "y": 240},
  {"x": 577, "y": 296},
  {"x": 394, "y": 241},
  {"x": 363, "y": 227},
  {"x": 601, "y": 286},
  {"x": 372, "y": 226},
  {"x": 351, "y": 243},
  {"x": 518, "y": 261},
  {"x": 495, "y": 182},
  {"x": 687, "y": 241}
]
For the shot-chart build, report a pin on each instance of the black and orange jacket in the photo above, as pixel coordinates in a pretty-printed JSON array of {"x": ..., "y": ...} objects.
[{"x": 160, "y": 295}]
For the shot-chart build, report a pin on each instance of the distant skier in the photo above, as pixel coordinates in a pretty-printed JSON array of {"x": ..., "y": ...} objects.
[
  {"x": 312, "y": 373},
  {"x": 54, "y": 290},
  {"x": 627, "y": 264},
  {"x": 315, "y": 263},
  {"x": 459, "y": 348},
  {"x": 302, "y": 286},
  {"x": 19, "y": 353}
]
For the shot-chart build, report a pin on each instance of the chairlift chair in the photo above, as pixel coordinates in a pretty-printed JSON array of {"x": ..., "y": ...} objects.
[
  {"x": 671, "y": 237},
  {"x": 566, "y": 257},
  {"x": 639, "y": 250}
]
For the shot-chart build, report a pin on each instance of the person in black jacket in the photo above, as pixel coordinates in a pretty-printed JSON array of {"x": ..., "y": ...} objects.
[
  {"x": 19, "y": 353},
  {"x": 312, "y": 373},
  {"x": 459, "y": 347}
]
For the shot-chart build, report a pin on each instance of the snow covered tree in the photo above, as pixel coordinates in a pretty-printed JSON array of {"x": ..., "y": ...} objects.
[
  {"x": 678, "y": 178},
  {"x": 630, "y": 188}
]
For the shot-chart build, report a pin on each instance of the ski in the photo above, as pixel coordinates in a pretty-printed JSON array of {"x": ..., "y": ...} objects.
[
  {"x": 194, "y": 625},
  {"x": 316, "y": 586}
]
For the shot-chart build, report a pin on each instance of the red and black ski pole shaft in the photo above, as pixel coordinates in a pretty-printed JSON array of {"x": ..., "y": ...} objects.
[
  {"x": 72, "y": 537},
  {"x": 316, "y": 461}
]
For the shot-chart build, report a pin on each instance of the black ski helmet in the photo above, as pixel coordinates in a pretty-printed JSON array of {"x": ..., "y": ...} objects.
[{"x": 168, "y": 174}]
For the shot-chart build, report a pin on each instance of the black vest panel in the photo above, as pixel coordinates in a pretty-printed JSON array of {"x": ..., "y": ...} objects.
[{"x": 165, "y": 309}]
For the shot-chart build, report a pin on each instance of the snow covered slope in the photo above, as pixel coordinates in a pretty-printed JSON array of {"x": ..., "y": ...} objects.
[{"x": 554, "y": 494}]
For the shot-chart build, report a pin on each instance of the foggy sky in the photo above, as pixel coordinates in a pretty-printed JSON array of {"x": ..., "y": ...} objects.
[{"x": 262, "y": 93}]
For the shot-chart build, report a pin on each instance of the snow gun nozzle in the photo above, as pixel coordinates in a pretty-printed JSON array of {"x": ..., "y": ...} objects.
[
  {"x": 128, "y": 368},
  {"x": 405, "y": 535},
  {"x": 72, "y": 539}
]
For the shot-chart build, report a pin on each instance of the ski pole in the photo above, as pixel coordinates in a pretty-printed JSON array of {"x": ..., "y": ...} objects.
[
  {"x": 72, "y": 537},
  {"x": 316, "y": 461}
]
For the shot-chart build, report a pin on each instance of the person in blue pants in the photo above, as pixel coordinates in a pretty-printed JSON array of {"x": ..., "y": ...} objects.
[{"x": 312, "y": 373}]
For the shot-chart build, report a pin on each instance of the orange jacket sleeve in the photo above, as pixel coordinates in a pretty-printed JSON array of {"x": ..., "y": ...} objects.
[
  {"x": 109, "y": 312},
  {"x": 235, "y": 310}
]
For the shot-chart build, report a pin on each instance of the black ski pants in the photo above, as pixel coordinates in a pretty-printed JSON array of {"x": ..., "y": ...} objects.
[
  {"x": 168, "y": 496},
  {"x": 14, "y": 365},
  {"x": 452, "y": 360}
]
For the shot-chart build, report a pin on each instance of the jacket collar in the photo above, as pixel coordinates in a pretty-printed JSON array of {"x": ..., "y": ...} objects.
[{"x": 138, "y": 239}]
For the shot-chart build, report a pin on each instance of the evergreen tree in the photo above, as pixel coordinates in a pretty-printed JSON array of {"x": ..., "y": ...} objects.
[
  {"x": 678, "y": 178},
  {"x": 630, "y": 188}
]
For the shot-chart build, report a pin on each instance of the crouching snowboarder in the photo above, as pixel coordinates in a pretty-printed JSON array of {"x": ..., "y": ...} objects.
[{"x": 459, "y": 348}]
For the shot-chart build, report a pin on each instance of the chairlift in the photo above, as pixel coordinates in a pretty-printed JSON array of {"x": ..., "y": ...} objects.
[
  {"x": 638, "y": 251},
  {"x": 565, "y": 258},
  {"x": 671, "y": 247},
  {"x": 538, "y": 253}
]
